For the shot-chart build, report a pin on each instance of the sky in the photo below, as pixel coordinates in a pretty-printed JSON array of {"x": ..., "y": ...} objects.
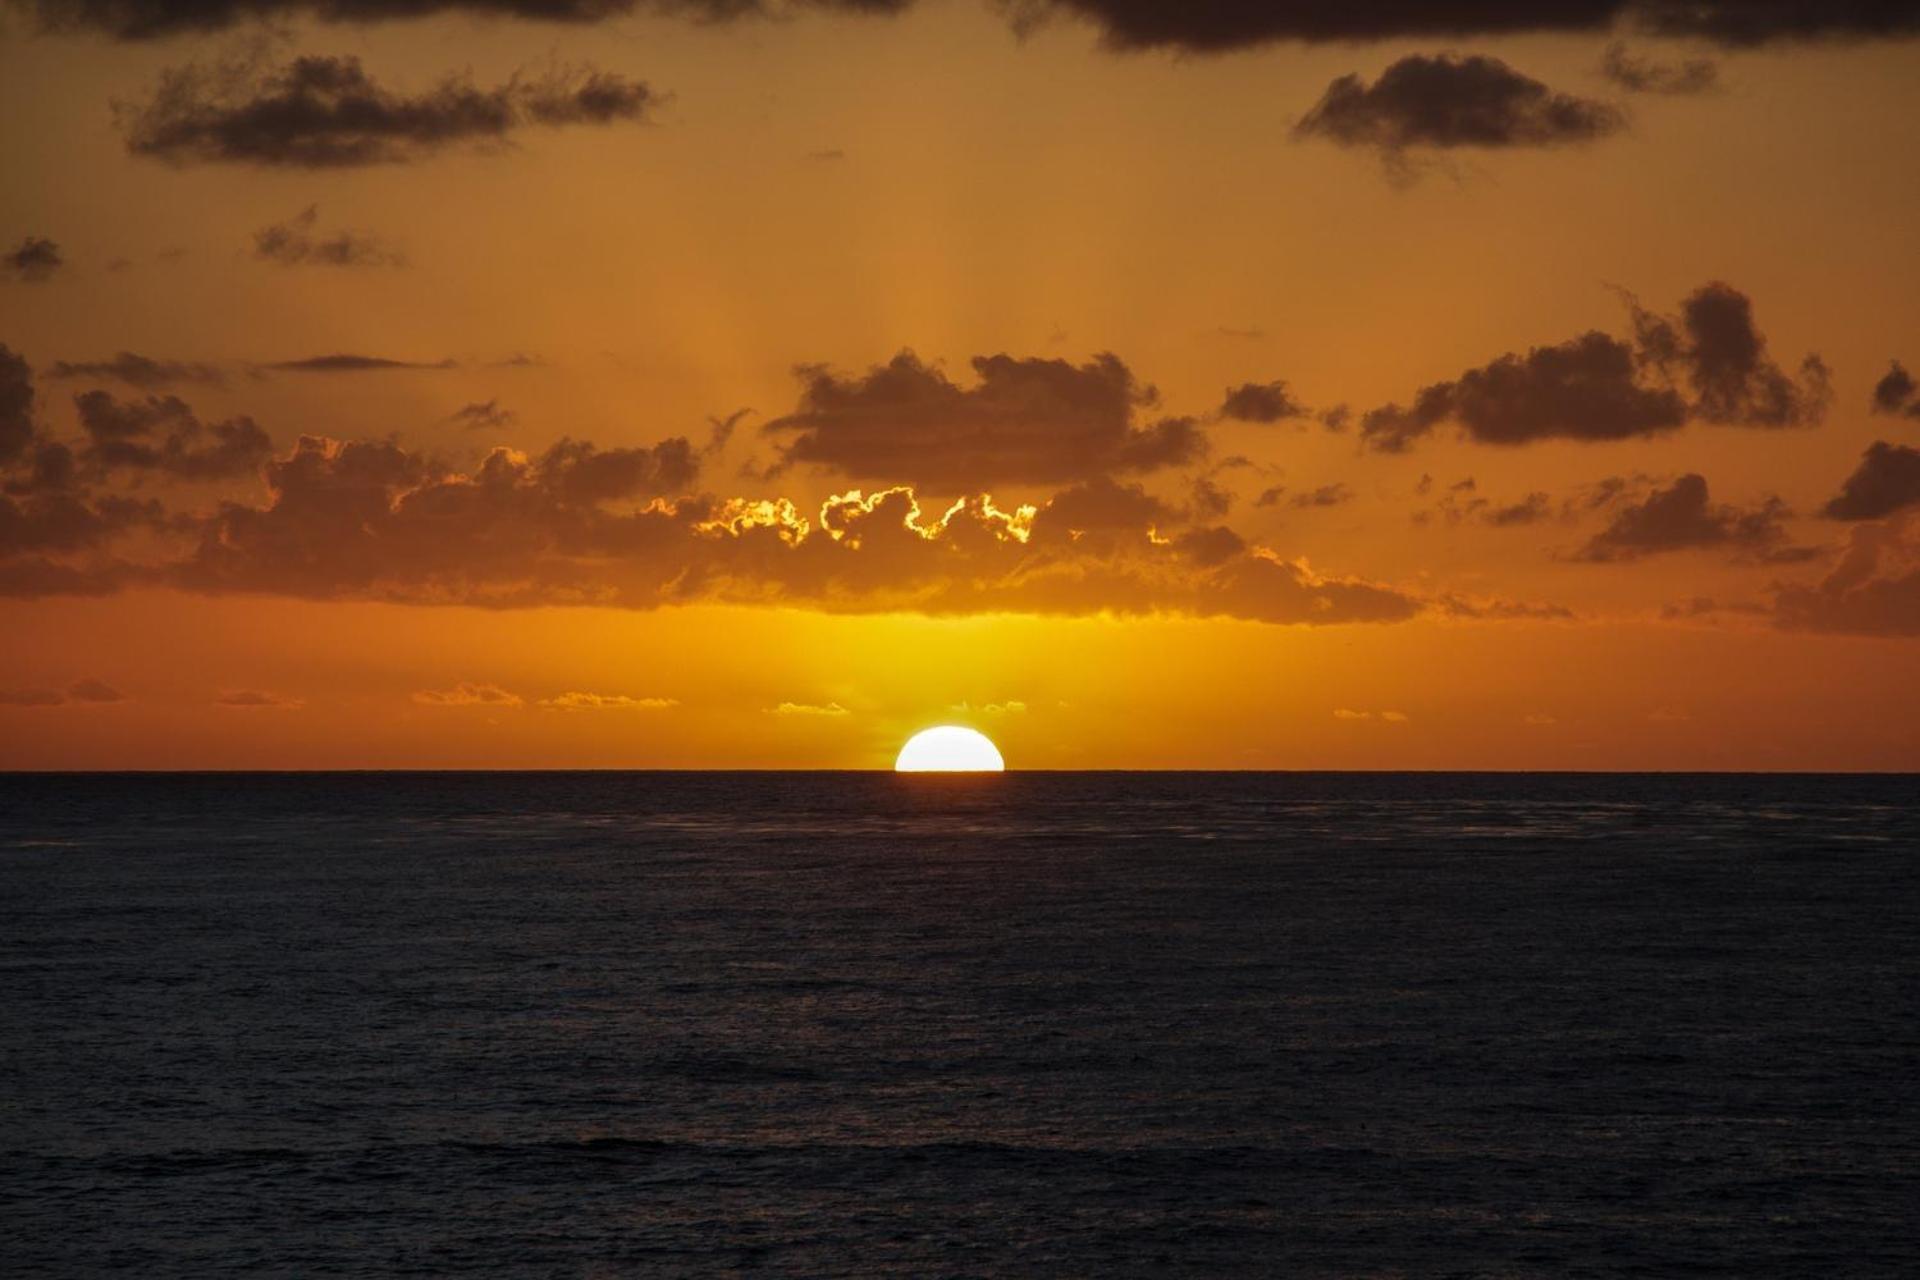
[{"x": 741, "y": 384}]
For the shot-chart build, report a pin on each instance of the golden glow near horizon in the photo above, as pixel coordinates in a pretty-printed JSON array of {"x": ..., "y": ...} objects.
[{"x": 949, "y": 749}]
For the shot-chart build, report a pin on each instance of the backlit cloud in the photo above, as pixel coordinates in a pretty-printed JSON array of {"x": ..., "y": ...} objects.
[
  {"x": 466, "y": 694},
  {"x": 575, "y": 701}
]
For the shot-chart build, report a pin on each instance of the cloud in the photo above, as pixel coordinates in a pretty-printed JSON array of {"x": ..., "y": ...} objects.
[
  {"x": 1895, "y": 393},
  {"x": 1681, "y": 517},
  {"x": 1327, "y": 495},
  {"x": 16, "y": 405},
  {"x": 1887, "y": 480},
  {"x": 1386, "y": 717},
  {"x": 257, "y": 700},
  {"x": 1716, "y": 345},
  {"x": 482, "y": 415},
  {"x": 34, "y": 261},
  {"x": 1011, "y": 707},
  {"x": 368, "y": 520},
  {"x": 1873, "y": 591},
  {"x": 614, "y": 527},
  {"x": 1024, "y": 421},
  {"x": 161, "y": 434},
  {"x": 466, "y": 694},
  {"x": 1596, "y": 387},
  {"x": 32, "y": 698},
  {"x": 1444, "y": 102},
  {"x": 606, "y": 702},
  {"x": 154, "y": 19},
  {"x": 1587, "y": 388},
  {"x": 1209, "y": 500},
  {"x": 1104, "y": 505},
  {"x": 293, "y": 243},
  {"x": 1262, "y": 402},
  {"x": 348, "y": 363},
  {"x": 808, "y": 709},
  {"x": 95, "y": 691},
  {"x": 1217, "y": 26},
  {"x": 327, "y": 112},
  {"x": 1639, "y": 74},
  {"x": 1530, "y": 510},
  {"x": 139, "y": 371}
]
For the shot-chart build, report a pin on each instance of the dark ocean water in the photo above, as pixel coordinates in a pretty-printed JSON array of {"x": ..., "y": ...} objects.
[{"x": 1034, "y": 1025}]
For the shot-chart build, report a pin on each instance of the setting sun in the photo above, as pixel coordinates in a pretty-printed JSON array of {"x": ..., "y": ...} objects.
[{"x": 949, "y": 749}]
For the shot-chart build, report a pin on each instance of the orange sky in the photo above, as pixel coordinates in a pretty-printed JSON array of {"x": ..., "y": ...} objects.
[{"x": 1673, "y": 553}]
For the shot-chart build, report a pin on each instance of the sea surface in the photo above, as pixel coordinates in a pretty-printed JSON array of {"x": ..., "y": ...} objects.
[{"x": 1049, "y": 1025}]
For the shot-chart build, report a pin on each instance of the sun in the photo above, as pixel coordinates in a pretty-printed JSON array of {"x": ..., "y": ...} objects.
[{"x": 949, "y": 749}]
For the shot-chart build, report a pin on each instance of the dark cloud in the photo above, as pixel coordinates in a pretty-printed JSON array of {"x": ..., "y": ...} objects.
[
  {"x": 1213, "y": 26},
  {"x": 578, "y": 474},
  {"x": 257, "y": 700},
  {"x": 40, "y": 697},
  {"x": 138, "y": 371},
  {"x": 1887, "y": 480},
  {"x": 1640, "y": 74},
  {"x": 1197, "y": 26},
  {"x": 1755, "y": 22},
  {"x": 16, "y": 405},
  {"x": 1327, "y": 495},
  {"x": 91, "y": 690},
  {"x": 1895, "y": 393},
  {"x": 1532, "y": 509},
  {"x": 1873, "y": 591},
  {"x": 1681, "y": 517},
  {"x": 34, "y": 261},
  {"x": 1715, "y": 345},
  {"x": 151, "y": 19},
  {"x": 1025, "y": 421},
  {"x": 1209, "y": 501},
  {"x": 1104, "y": 505},
  {"x": 161, "y": 434},
  {"x": 326, "y": 112},
  {"x": 1270, "y": 496},
  {"x": 347, "y": 363},
  {"x": 482, "y": 415},
  {"x": 1587, "y": 388},
  {"x": 294, "y": 243},
  {"x": 1261, "y": 402},
  {"x": 87, "y": 690},
  {"x": 1597, "y": 387},
  {"x": 1462, "y": 502},
  {"x": 1444, "y": 102}
]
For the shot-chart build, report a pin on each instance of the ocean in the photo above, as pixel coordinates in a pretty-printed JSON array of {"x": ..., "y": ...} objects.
[{"x": 833, "y": 1024}]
